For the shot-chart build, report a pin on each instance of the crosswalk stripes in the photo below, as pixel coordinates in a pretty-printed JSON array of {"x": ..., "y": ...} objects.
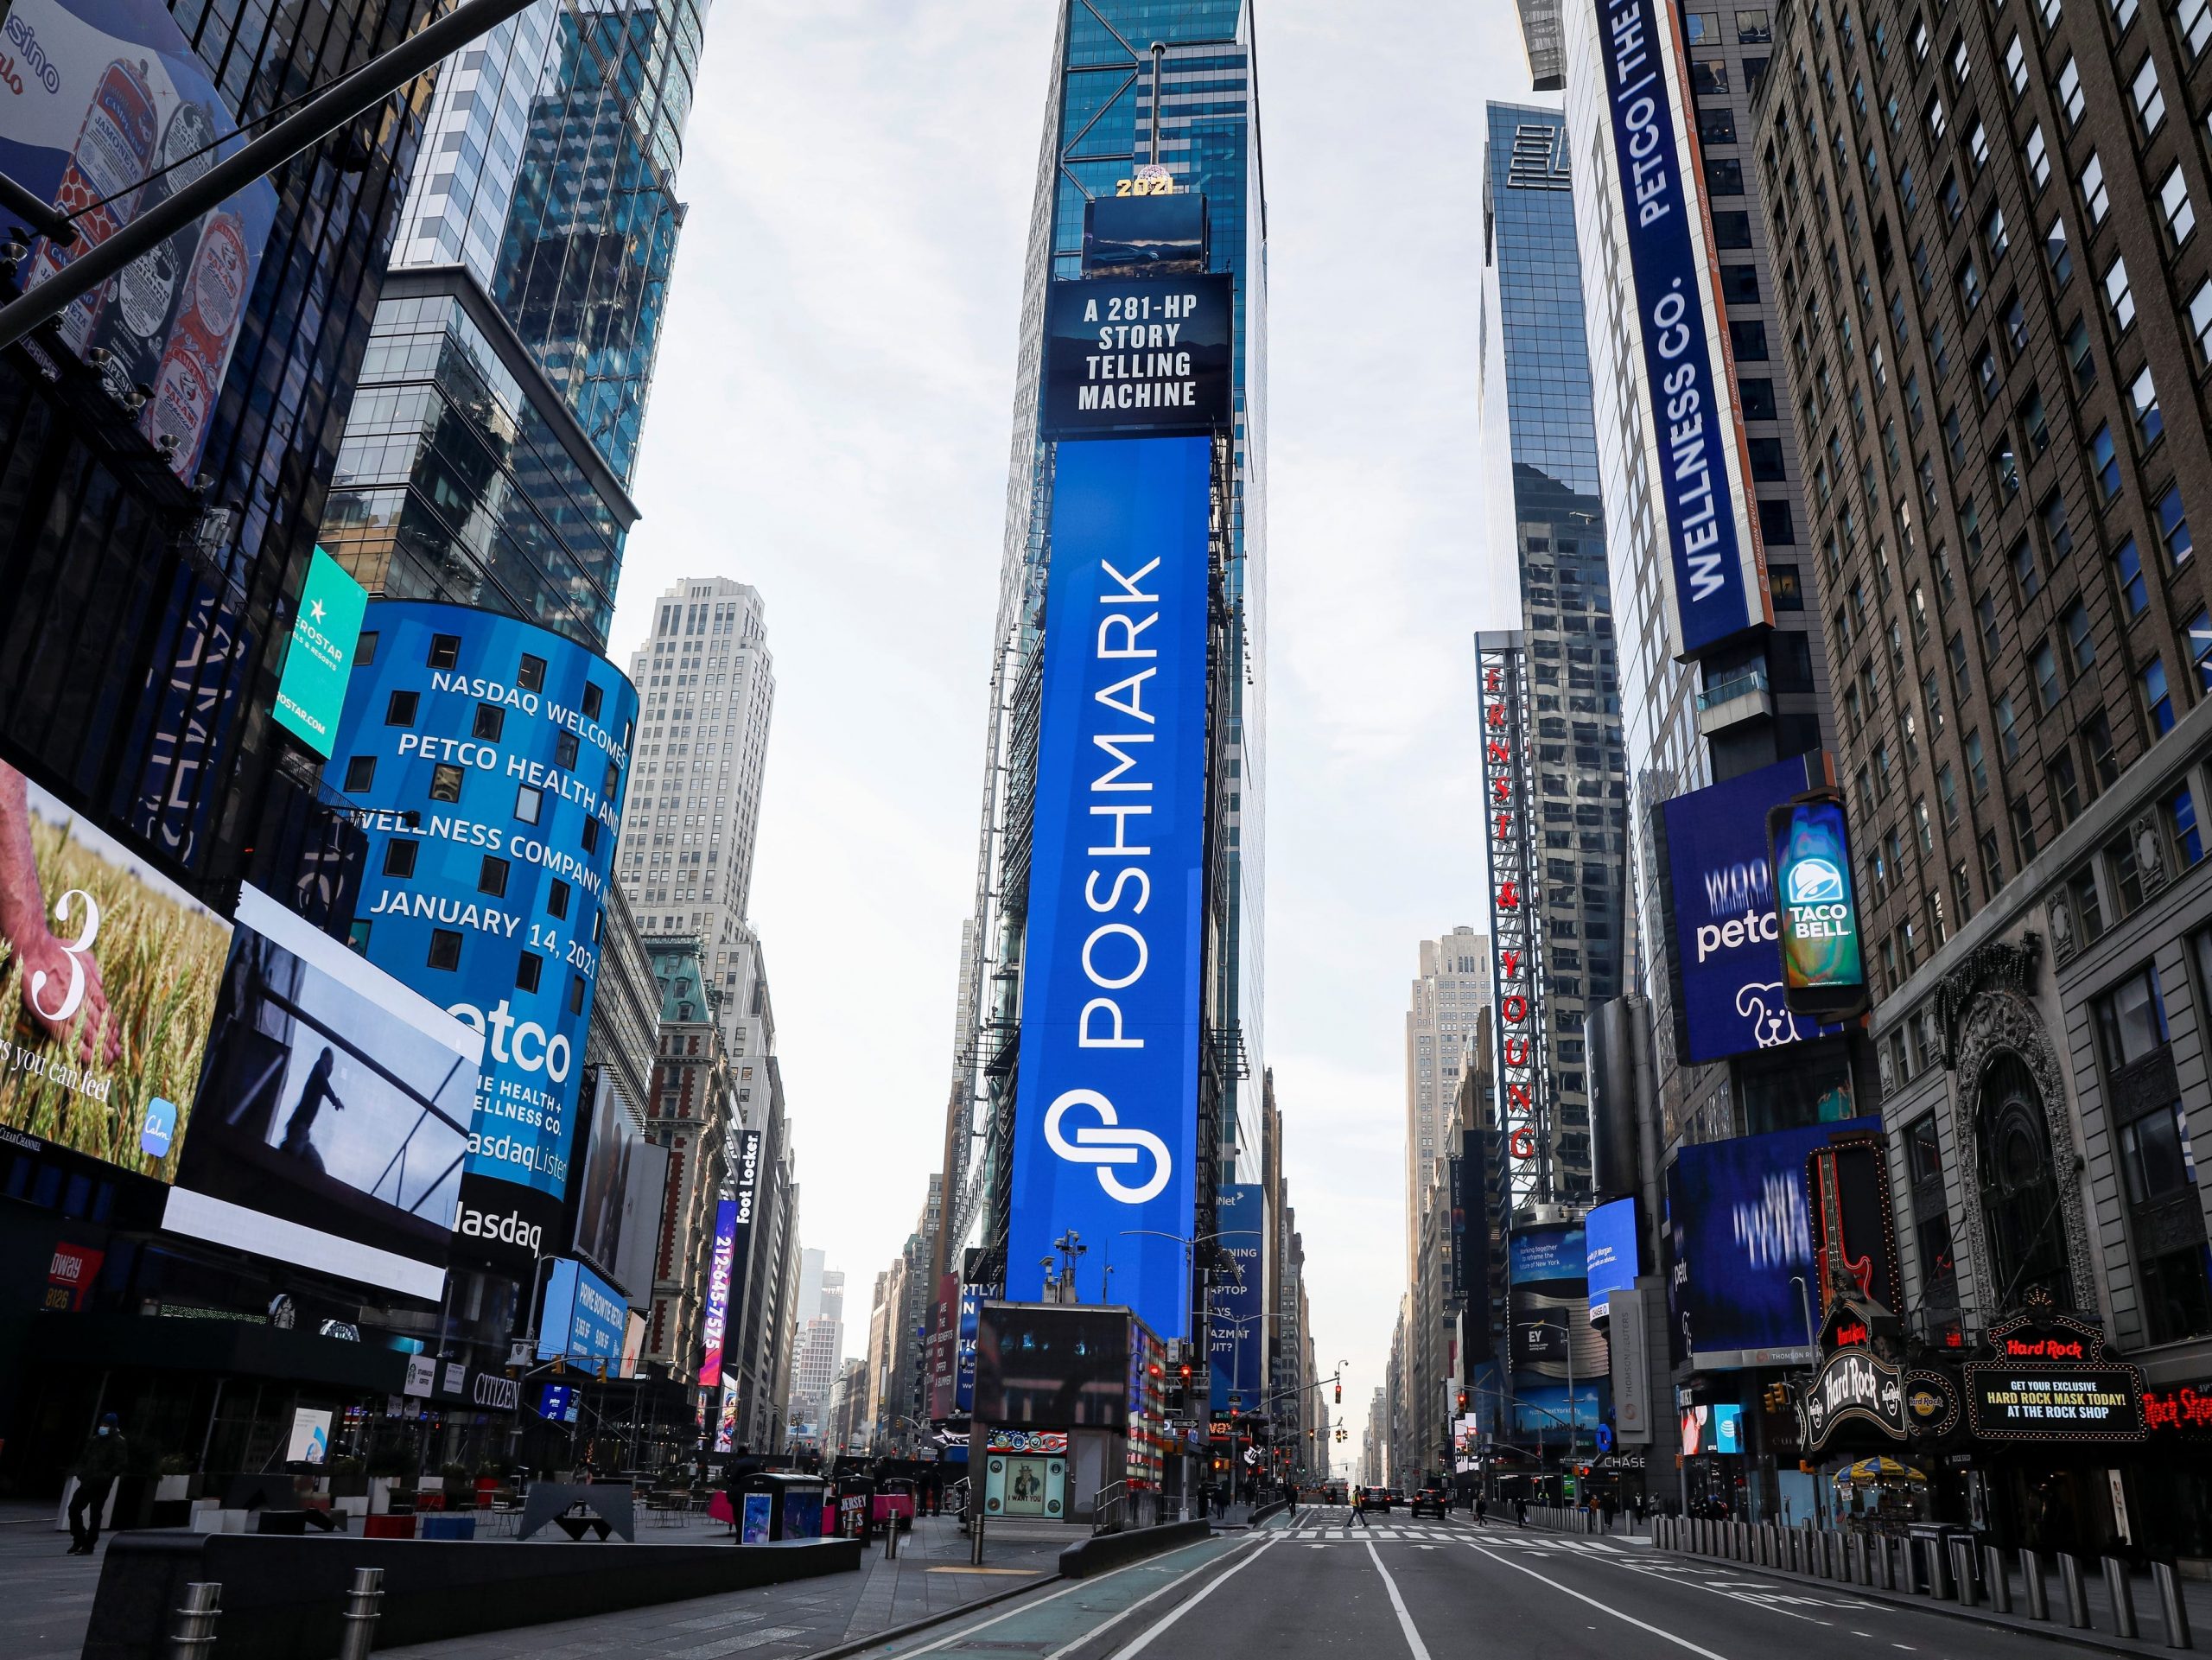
[{"x": 1511, "y": 1537}]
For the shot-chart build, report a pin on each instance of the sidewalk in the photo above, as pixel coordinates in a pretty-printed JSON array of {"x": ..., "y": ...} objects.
[{"x": 46, "y": 1598}]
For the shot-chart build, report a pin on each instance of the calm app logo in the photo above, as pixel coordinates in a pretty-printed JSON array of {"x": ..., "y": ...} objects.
[{"x": 160, "y": 1128}]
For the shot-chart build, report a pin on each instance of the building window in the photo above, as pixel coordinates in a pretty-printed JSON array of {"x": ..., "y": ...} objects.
[
  {"x": 2053, "y": 248},
  {"x": 400, "y": 710},
  {"x": 445, "y": 950},
  {"x": 531, "y": 676},
  {"x": 2044, "y": 662},
  {"x": 2127, "y": 571},
  {"x": 1776, "y": 528},
  {"x": 445, "y": 781},
  {"x": 2154, "y": 1153},
  {"x": 1962, "y": 670},
  {"x": 1724, "y": 176},
  {"x": 2038, "y": 157},
  {"x": 2070, "y": 96},
  {"x": 2008, "y": 731},
  {"x": 2078, "y": 354},
  {"x": 2105, "y": 462},
  {"x": 2150, "y": 101},
  {"x": 445, "y": 652},
  {"x": 2094, "y": 196},
  {"x": 2158, "y": 702},
  {"x": 399, "y": 855},
  {"x": 2016, "y": 64},
  {"x": 556, "y": 900},
  {"x": 491, "y": 721},
  {"x": 1993, "y": 862},
  {"x": 2023, "y": 570},
  {"x": 2173, "y": 202},
  {"x": 2173, "y": 526},
  {"x": 2200, "y": 314},
  {"x": 2194, "y": 19},
  {"x": 2118, "y": 295},
  {"x": 529, "y": 970},
  {"x": 1748, "y": 338},
  {"x": 2143, "y": 404},
  {"x": 2081, "y": 644},
  {"x": 2065, "y": 787},
  {"x": 492, "y": 876},
  {"x": 2181, "y": 820},
  {"x": 530, "y": 804},
  {"x": 360, "y": 773},
  {"x": 2132, "y": 1018},
  {"x": 2197, "y": 638}
]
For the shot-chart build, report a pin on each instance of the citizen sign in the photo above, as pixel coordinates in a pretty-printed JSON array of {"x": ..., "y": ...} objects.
[{"x": 498, "y": 1394}]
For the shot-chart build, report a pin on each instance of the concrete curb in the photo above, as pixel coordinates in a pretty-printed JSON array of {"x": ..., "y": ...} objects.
[
  {"x": 1110, "y": 1550},
  {"x": 893, "y": 1633}
]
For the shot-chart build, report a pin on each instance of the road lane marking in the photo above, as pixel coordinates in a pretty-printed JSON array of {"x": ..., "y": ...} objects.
[
  {"x": 1602, "y": 1608},
  {"x": 1405, "y": 1619},
  {"x": 1184, "y": 1607}
]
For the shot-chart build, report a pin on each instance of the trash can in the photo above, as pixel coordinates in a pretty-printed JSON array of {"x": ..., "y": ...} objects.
[
  {"x": 773, "y": 1505},
  {"x": 855, "y": 1498}
]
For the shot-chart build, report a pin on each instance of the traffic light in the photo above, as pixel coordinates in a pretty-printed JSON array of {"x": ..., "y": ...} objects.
[
  {"x": 560, "y": 1366},
  {"x": 1341, "y": 1391},
  {"x": 1462, "y": 1400}
]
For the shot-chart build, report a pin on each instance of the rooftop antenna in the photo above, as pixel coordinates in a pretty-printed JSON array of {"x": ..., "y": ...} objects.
[{"x": 1159, "y": 60}]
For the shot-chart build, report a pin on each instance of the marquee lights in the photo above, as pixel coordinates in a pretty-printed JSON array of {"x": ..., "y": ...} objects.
[{"x": 1515, "y": 938}]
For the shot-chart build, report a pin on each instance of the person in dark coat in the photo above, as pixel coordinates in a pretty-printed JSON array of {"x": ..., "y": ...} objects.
[{"x": 105, "y": 1457}]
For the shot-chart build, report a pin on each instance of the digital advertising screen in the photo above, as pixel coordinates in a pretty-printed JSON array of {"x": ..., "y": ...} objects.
[
  {"x": 612, "y": 1143},
  {"x": 1058, "y": 1365},
  {"x": 108, "y": 975},
  {"x": 1742, "y": 1231},
  {"x": 1548, "y": 1303},
  {"x": 715, "y": 1316},
  {"x": 585, "y": 1318},
  {"x": 1610, "y": 1250},
  {"x": 1823, "y": 968},
  {"x": 319, "y": 657},
  {"x": 1237, "y": 1332},
  {"x": 1138, "y": 354},
  {"x": 110, "y": 113},
  {"x": 1106, "y": 1118},
  {"x": 489, "y": 757},
  {"x": 1723, "y": 935},
  {"x": 330, "y": 1120}
]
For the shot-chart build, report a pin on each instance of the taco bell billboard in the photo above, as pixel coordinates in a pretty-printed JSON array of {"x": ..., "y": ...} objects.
[
  {"x": 1724, "y": 950},
  {"x": 1106, "y": 1121},
  {"x": 490, "y": 758}
]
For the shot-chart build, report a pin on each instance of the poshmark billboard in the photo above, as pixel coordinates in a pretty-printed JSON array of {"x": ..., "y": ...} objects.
[
  {"x": 1694, "y": 449},
  {"x": 1106, "y": 1126}
]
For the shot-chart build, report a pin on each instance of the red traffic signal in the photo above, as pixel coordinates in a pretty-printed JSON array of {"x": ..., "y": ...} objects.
[
  {"x": 1340, "y": 1393},
  {"x": 1185, "y": 1370}
]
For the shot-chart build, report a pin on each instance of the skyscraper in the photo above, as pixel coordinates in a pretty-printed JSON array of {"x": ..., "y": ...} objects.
[
  {"x": 488, "y": 456},
  {"x": 707, "y": 686},
  {"x": 1134, "y": 84},
  {"x": 1454, "y": 984},
  {"x": 1536, "y": 375}
]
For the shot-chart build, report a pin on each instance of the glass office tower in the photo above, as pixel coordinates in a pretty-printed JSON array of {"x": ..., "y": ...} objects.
[
  {"x": 490, "y": 449},
  {"x": 1535, "y": 361},
  {"x": 1134, "y": 82}
]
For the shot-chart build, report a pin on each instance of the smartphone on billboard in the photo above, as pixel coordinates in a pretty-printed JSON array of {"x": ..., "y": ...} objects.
[{"x": 1823, "y": 968}]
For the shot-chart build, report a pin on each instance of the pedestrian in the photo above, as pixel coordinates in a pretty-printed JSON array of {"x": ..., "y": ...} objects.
[
  {"x": 103, "y": 1459},
  {"x": 1520, "y": 1511},
  {"x": 1358, "y": 1517},
  {"x": 1482, "y": 1511}
]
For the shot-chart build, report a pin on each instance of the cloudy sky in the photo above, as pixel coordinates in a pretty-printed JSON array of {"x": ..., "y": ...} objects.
[{"x": 830, "y": 423}]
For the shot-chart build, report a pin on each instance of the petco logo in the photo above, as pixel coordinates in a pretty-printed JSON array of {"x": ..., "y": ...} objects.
[{"x": 1105, "y": 1144}]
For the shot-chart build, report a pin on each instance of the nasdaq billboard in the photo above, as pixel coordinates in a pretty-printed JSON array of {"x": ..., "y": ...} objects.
[
  {"x": 1146, "y": 354},
  {"x": 1105, "y": 1138},
  {"x": 1696, "y": 451},
  {"x": 489, "y": 757},
  {"x": 1723, "y": 940}
]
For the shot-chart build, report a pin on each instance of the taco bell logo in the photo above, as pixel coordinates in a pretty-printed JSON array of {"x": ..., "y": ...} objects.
[{"x": 1815, "y": 881}]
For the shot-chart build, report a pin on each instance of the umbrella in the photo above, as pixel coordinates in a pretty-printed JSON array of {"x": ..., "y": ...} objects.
[{"x": 1877, "y": 1469}]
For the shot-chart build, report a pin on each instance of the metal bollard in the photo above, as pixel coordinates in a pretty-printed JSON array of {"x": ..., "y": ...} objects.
[
  {"x": 363, "y": 1598},
  {"x": 1962, "y": 1571},
  {"x": 2120, "y": 1591},
  {"x": 1867, "y": 1547},
  {"x": 1908, "y": 1568},
  {"x": 1884, "y": 1569},
  {"x": 2032, "y": 1580},
  {"x": 2077, "y": 1596},
  {"x": 1939, "y": 1571},
  {"x": 2171, "y": 1609},
  {"x": 195, "y": 1621},
  {"x": 1996, "y": 1581}
]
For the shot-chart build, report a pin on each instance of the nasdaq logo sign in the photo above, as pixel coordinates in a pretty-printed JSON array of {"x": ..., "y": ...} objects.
[
  {"x": 1106, "y": 1129},
  {"x": 1696, "y": 454}
]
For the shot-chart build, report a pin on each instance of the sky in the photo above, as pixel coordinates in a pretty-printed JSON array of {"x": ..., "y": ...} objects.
[{"x": 831, "y": 422}]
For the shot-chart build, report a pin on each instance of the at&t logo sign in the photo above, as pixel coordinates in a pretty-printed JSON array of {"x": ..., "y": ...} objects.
[{"x": 1109, "y": 1146}]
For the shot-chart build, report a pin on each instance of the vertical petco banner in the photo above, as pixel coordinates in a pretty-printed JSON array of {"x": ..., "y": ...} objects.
[
  {"x": 1107, "y": 1114},
  {"x": 1696, "y": 453}
]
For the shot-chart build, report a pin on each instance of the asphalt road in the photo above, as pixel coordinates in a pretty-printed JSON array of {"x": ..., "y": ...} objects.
[{"x": 1402, "y": 1590}]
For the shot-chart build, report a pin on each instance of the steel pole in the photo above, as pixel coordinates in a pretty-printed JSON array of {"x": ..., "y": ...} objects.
[{"x": 344, "y": 99}]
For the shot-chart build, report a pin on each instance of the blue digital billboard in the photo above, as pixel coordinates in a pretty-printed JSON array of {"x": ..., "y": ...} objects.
[
  {"x": 1715, "y": 571},
  {"x": 1609, "y": 1249},
  {"x": 1106, "y": 1117},
  {"x": 489, "y": 757},
  {"x": 1742, "y": 1232},
  {"x": 1238, "y": 1333},
  {"x": 1726, "y": 938},
  {"x": 1544, "y": 1255},
  {"x": 585, "y": 1318}
]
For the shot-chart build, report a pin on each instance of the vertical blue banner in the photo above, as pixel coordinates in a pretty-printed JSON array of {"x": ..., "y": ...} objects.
[
  {"x": 1237, "y": 1335},
  {"x": 1106, "y": 1112}
]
